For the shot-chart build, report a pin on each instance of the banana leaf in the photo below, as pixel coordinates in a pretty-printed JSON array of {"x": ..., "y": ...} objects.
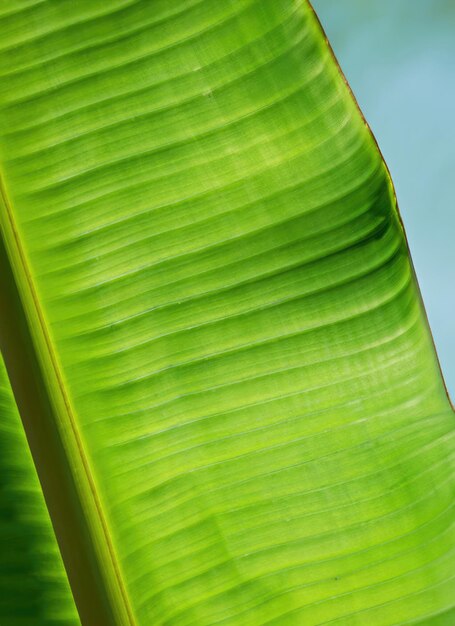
[
  {"x": 211, "y": 322},
  {"x": 34, "y": 589}
]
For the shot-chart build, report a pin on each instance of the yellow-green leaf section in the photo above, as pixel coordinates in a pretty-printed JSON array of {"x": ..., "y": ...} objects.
[
  {"x": 218, "y": 291},
  {"x": 34, "y": 590}
]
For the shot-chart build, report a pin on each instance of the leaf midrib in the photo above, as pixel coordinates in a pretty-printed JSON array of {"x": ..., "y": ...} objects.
[{"x": 63, "y": 414}]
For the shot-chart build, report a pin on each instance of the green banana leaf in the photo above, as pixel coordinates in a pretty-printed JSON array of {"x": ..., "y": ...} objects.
[
  {"x": 211, "y": 322},
  {"x": 34, "y": 589}
]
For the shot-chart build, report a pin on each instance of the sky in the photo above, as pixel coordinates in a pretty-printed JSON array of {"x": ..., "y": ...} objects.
[{"x": 399, "y": 58}]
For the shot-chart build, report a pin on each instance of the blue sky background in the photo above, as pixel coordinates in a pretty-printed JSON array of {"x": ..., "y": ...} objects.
[{"x": 399, "y": 58}]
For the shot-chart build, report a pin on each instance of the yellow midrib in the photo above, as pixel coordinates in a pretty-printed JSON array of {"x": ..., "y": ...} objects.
[{"x": 64, "y": 414}]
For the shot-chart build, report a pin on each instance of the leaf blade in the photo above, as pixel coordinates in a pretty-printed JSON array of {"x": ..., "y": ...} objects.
[
  {"x": 34, "y": 587},
  {"x": 213, "y": 239}
]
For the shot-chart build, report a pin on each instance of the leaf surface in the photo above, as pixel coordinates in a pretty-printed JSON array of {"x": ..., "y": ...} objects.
[
  {"x": 229, "y": 336},
  {"x": 34, "y": 589}
]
